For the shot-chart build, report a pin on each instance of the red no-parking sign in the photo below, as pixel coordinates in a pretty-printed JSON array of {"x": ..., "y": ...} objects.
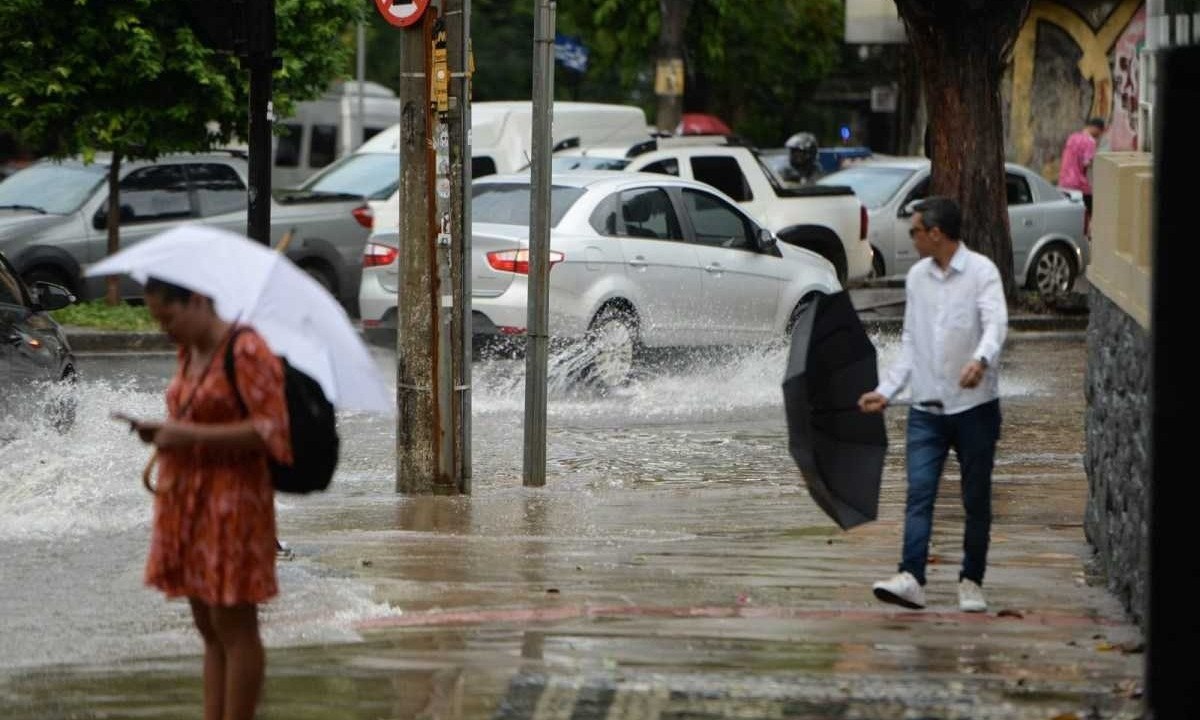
[{"x": 401, "y": 13}]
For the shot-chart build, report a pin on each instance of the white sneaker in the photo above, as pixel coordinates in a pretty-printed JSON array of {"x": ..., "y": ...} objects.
[
  {"x": 970, "y": 597},
  {"x": 901, "y": 589}
]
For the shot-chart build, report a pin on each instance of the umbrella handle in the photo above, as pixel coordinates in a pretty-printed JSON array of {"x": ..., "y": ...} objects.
[
  {"x": 148, "y": 471},
  {"x": 286, "y": 240}
]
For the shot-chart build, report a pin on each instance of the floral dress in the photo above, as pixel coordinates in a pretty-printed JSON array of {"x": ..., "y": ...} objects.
[{"x": 214, "y": 512}]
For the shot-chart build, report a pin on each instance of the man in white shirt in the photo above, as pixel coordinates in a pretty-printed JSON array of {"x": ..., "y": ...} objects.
[{"x": 955, "y": 322}]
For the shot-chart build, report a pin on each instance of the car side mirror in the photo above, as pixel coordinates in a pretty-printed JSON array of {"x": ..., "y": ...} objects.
[
  {"x": 766, "y": 239},
  {"x": 909, "y": 209},
  {"x": 100, "y": 220},
  {"x": 48, "y": 296}
]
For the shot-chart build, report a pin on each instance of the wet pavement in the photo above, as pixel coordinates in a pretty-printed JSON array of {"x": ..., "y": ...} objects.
[{"x": 672, "y": 567}]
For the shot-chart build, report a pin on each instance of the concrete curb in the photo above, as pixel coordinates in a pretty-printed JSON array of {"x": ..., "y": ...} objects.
[{"x": 88, "y": 340}]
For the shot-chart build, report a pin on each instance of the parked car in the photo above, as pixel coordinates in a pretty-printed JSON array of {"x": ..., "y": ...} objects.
[
  {"x": 1049, "y": 245},
  {"x": 638, "y": 260},
  {"x": 53, "y": 218},
  {"x": 33, "y": 348},
  {"x": 826, "y": 219}
]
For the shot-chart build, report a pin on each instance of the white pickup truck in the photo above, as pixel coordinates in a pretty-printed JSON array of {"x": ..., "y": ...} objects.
[{"x": 828, "y": 220}]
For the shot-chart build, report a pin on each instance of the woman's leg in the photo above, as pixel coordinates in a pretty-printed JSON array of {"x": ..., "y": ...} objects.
[
  {"x": 214, "y": 661},
  {"x": 237, "y": 628}
]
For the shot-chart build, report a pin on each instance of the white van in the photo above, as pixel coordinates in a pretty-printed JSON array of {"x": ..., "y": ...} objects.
[
  {"x": 502, "y": 139},
  {"x": 326, "y": 129}
]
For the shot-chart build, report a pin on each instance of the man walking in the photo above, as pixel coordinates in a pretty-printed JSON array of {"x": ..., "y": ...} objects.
[
  {"x": 955, "y": 322},
  {"x": 1076, "y": 161}
]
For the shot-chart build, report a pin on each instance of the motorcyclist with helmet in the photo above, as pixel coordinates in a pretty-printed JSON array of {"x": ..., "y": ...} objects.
[{"x": 802, "y": 167}]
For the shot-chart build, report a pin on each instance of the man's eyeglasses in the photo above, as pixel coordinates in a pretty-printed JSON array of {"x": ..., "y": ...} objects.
[{"x": 912, "y": 231}]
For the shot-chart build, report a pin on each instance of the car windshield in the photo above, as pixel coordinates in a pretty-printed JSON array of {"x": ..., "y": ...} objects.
[
  {"x": 585, "y": 162},
  {"x": 58, "y": 188},
  {"x": 370, "y": 175},
  {"x": 508, "y": 203},
  {"x": 873, "y": 184}
]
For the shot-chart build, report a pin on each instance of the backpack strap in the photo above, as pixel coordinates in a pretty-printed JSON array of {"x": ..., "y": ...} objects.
[{"x": 231, "y": 371}]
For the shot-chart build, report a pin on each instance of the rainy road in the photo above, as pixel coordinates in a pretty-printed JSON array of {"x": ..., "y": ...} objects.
[{"x": 672, "y": 537}]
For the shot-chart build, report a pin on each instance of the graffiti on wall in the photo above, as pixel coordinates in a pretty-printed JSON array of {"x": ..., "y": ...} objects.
[
  {"x": 1060, "y": 54},
  {"x": 1123, "y": 125}
]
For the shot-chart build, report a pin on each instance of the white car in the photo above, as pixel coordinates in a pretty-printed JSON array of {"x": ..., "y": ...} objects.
[
  {"x": 638, "y": 260},
  {"x": 1050, "y": 248}
]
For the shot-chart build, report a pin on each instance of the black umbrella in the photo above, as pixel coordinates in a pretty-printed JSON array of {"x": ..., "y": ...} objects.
[{"x": 839, "y": 449}]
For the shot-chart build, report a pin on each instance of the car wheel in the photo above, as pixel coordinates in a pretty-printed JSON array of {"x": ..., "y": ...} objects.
[
  {"x": 611, "y": 346},
  {"x": 877, "y": 268},
  {"x": 321, "y": 274},
  {"x": 808, "y": 299},
  {"x": 1053, "y": 271}
]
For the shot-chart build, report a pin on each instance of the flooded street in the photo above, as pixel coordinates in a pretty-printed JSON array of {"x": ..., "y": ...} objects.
[{"x": 674, "y": 538}]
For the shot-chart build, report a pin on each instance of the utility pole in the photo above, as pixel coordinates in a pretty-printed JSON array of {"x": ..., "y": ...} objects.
[
  {"x": 537, "y": 335},
  {"x": 259, "y": 56},
  {"x": 418, "y": 446},
  {"x": 430, "y": 306},
  {"x": 458, "y": 31}
]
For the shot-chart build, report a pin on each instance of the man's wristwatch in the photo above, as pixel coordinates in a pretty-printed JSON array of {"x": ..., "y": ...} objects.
[{"x": 983, "y": 361}]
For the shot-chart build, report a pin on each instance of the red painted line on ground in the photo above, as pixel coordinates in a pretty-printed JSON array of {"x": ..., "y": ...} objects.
[{"x": 528, "y": 615}]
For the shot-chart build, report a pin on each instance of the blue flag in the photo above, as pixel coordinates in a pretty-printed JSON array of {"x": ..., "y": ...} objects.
[{"x": 570, "y": 52}]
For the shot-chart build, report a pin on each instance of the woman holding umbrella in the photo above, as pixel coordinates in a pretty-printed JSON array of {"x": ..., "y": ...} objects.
[{"x": 214, "y": 515}]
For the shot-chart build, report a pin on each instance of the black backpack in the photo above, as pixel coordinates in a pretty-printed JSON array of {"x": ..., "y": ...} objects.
[{"x": 313, "y": 428}]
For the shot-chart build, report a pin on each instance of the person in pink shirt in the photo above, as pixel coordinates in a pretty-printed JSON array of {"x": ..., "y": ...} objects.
[{"x": 1077, "y": 156}]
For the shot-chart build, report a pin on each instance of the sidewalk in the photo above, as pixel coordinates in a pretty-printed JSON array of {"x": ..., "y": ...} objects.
[{"x": 717, "y": 594}]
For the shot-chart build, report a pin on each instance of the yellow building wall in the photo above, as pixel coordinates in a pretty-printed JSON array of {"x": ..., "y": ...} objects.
[{"x": 1122, "y": 226}]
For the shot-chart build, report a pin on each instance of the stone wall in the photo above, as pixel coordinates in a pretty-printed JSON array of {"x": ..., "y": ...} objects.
[{"x": 1117, "y": 387}]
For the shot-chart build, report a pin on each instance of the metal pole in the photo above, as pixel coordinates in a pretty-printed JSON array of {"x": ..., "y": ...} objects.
[
  {"x": 260, "y": 47},
  {"x": 1172, "y": 631},
  {"x": 458, "y": 21},
  {"x": 361, "y": 73},
  {"x": 444, "y": 303},
  {"x": 537, "y": 337}
]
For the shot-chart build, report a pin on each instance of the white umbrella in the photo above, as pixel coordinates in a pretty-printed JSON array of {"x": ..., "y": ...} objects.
[{"x": 253, "y": 284}]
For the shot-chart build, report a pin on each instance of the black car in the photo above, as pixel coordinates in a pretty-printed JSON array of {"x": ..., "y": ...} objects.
[{"x": 33, "y": 348}]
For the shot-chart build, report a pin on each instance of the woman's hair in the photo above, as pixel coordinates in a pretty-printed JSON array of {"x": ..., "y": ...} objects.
[{"x": 170, "y": 292}]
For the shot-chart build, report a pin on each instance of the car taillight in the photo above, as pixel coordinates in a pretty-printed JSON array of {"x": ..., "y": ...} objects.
[
  {"x": 863, "y": 222},
  {"x": 517, "y": 261},
  {"x": 377, "y": 255},
  {"x": 364, "y": 215}
]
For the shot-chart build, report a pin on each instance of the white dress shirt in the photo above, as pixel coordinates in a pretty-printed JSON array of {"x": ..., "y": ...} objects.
[{"x": 951, "y": 317}]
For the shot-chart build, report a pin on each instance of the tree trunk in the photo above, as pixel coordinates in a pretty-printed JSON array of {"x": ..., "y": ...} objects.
[
  {"x": 668, "y": 83},
  {"x": 112, "y": 294},
  {"x": 961, "y": 49}
]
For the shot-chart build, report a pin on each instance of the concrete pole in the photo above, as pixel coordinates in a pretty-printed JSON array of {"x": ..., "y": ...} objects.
[
  {"x": 418, "y": 434},
  {"x": 537, "y": 337},
  {"x": 458, "y": 26}
]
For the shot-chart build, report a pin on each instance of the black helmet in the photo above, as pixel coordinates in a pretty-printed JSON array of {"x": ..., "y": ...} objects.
[{"x": 802, "y": 148}]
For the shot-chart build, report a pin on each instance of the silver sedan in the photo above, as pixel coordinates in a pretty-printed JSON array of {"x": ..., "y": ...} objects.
[
  {"x": 638, "y": 260},
  {"x": 1050, "y": 248}
]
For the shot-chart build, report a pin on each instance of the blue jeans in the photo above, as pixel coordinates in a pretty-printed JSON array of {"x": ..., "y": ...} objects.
[{"x": 973, "y": 434}]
